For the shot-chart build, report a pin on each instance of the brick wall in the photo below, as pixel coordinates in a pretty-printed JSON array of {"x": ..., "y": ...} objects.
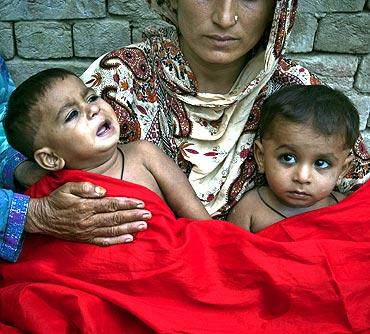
[{"x": 331, "y": 38}]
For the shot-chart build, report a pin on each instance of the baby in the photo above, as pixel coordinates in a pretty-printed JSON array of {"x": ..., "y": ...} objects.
[
  {"x": 56, "y": 120},
  {"x": 305, "y": 138}
]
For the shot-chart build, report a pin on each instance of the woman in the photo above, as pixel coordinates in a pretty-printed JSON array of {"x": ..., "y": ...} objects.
[{"x": 196, "y": 94}]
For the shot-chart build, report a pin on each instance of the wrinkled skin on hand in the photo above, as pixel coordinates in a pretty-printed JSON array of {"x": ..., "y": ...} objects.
[{"x": 79, "y": 212}]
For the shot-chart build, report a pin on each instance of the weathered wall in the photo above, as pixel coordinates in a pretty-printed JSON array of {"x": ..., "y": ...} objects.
[{"x": 331, "y": 38}]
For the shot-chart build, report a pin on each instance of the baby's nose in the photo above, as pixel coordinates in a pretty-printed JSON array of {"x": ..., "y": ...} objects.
[
  {"x": 303, "y": 174},
  {"x": 93, "y": 110}
]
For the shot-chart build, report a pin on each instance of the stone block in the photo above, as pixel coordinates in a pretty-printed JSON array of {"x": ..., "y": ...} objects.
[
  {"x": 344, "y": 33},
  {"x": 132, "y": 10},
  {"x": 343, "y": 84},
  {"x": 362, "y": 82},
  {"x": 6, "y": 40},
  {"x": 43, "y": 40},
  {"x": 94, "y": 38},
  {"x": 362, "y": 103},
  {"x": 15, "y": 10},
  {"x": 329, "y": 65},
  {"x": 302, "y": 36},
  {"x": 314, "y": 6},
  {"x": 21, "y": 69}
]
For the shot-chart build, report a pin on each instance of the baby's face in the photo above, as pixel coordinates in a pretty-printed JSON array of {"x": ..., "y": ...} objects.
[
  {"x": 77, "y": 124},
  {"x": 301, "y": 165}
]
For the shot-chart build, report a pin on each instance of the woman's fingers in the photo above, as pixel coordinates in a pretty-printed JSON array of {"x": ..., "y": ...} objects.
[
  {"x": 117, "y": 234},
  {"x": 83, "y": 189},
  {"x": 126, "y": 238},
  {"x": 115, "y": 204}
]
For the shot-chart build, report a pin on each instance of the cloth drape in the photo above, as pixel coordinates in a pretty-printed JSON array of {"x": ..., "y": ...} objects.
[{"x": 309, "y": 274}]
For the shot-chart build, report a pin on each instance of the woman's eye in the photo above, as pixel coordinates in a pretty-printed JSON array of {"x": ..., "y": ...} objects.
[
  {"x": 287, "y": 159},
  {"x": 72, "y": 115},
  {"x": 322, "y": 164},
  {"x": 92, "y": 98}
]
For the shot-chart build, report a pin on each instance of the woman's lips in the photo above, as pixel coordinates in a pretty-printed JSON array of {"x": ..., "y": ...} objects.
[{"x": 221, "y": 40}]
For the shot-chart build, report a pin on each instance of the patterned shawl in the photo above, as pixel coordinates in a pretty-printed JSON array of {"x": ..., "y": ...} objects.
[{"x": 154, "y": 93}]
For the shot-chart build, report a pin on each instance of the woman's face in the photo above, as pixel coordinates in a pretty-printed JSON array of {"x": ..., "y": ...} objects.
[{"x": 210, "y": 32}]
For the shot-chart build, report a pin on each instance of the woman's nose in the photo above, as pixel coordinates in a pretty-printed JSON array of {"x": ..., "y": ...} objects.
[
  {"x": 303, "y": 174},
  {"x": 225, "y": 13}
]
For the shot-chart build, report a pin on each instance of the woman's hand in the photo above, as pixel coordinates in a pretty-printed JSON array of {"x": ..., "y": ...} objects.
[{"x": 77, "y": 212}]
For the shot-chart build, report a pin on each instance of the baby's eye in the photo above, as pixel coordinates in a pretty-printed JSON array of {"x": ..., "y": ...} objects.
[
  {"x": 322, "y": 164},
  {"x": 287, "y": 159},
  {"x": 92, "y": 98},
  {"x": 71, "y": 116}
]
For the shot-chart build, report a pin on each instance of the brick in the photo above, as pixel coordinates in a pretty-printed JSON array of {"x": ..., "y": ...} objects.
[
  {"x": 43, "y": 40},
  {"x": 343, "y": 84},
  {"x": 336, "y": 71},
  {"x": 344, "y": 33},
  {"x": 329, "y": 65},
  {"x": 303, "y": 34},
  {"x": 362, "y": 82},
  {"x": 94, "y": 38},
  {"x": 362, "y": 103},
  {"x": 132, "y": 10},
  {"x": 314, "y": 6},
  {"x": 6, "y": 40},
  {"x": 21, "y": 69},
  {"x": 14, "y": 10}
]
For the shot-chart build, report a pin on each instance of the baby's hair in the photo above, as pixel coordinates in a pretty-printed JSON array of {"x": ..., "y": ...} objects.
[
  {"x": 327, "y": 110},
  {"x": 22, "y": 119}
]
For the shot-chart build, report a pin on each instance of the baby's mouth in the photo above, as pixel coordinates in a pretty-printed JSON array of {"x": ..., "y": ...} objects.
[{"x": 104, "y": 128}]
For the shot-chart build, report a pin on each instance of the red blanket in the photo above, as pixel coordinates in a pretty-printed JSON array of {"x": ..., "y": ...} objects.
[{"x": 307, "y": 274}]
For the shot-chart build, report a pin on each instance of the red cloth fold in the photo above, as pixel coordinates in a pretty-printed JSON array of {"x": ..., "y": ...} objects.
[{"x": 308, "y": 273}]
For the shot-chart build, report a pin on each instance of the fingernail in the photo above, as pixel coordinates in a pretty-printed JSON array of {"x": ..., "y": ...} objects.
[
  {"x": 128, "y": 239},
  {"x": 140, "y": 205},
  {"x": 100, "y": 190},
  {"x": 146, "y": 215},
  {"x": 141, "y": 227}
]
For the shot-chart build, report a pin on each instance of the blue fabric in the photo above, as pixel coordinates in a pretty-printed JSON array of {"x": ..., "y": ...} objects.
[
  {"x": 6, "y": 88},
  {"x": 13, "y": 207}
]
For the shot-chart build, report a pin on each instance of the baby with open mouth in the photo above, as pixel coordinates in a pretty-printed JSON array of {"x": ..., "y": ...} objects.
[{"x": 65, "y": 125}]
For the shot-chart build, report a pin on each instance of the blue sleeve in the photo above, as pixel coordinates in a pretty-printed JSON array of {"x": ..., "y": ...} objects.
[
  {"x": 13, "y": 210},
  {"x": 9, "y": 158},
  {"x": 13, "y": 207}
]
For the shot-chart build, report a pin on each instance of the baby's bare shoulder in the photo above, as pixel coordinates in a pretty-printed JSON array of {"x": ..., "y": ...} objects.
[
  {"x": 139, "y": 147},
  {"x": 249, "y": 198}
]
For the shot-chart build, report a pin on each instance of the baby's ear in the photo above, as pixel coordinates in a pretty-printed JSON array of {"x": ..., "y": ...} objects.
[
  {"x": 258, "y": 155},
  {"x": 345, "y": 167},
  {"x": 48, "y": 159}
]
